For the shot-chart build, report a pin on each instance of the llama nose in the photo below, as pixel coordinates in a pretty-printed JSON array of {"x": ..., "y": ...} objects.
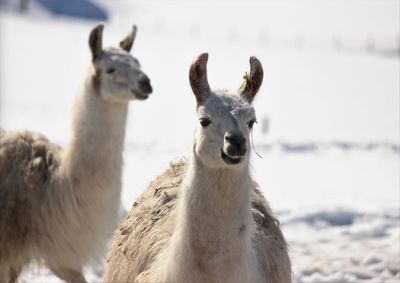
[
  {"x": 144, "y": 83},
  {"x": 236, "y": 144},
  {"x": 144, "y": 79},
  {"x": 235, "y": 138}
]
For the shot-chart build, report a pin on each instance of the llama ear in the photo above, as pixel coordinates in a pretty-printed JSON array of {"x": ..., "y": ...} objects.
[
  {"x": 95, "y": 41},
  {"x": 253, "y": 81},
  {"x": 198, "y": 79},
  {"x": 127, "y": 42}
]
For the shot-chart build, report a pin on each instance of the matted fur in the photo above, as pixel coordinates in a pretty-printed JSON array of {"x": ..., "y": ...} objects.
[
  {"x": 149, "y": 225},
  {"x": 61, "y": 206},
  {"x": 31, "y": 158}
]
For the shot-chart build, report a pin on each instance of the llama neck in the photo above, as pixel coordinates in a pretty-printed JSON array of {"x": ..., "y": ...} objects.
[
  {"x": 214, "y": 220},
  {"x": 98, "y": 133}
]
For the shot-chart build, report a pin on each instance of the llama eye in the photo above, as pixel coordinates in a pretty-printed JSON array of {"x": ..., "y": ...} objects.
[
  {"x": 110, "y": 71},
  {"x": 251, "y": 123},
  {"x": 204, "y": 122}
]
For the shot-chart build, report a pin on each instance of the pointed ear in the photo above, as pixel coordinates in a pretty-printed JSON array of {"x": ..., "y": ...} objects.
[
  {"x": 127, "y": 42},
  {"x": 95, "y": 41},
  {"x": 198, "y": 79},
  {"x": 253, "y": 81}
]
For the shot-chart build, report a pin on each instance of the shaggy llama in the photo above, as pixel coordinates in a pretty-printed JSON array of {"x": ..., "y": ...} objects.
[
  {"x": 205, "y": 220},
  {"x": 60, "y": 206}
]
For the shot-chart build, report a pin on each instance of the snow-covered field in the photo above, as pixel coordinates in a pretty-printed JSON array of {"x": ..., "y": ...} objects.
[{"x": 328, "y": 132}]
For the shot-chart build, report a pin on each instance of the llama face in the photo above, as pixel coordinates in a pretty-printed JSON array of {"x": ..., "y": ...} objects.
[
  {"x": 225, "y": 121},
  {"x": 121, "y": 78},
  {"x": 118, "y": 76},
  {"x": 223, "y": 131}
]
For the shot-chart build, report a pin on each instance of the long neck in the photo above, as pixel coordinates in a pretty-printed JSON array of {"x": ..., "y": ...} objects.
[
  {"x": 98, "y": 132},
  {"x": 214, "y": 220}
]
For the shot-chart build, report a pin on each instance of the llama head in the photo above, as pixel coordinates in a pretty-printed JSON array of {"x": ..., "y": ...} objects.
[
  {"x": 117, "y": 74},
  {"x": 225, "y": 120}
]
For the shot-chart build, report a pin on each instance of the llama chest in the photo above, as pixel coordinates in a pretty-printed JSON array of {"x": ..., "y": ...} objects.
[{"x": 218, "y": 268}]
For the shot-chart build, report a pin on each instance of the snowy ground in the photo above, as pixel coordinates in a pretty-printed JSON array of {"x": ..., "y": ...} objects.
[{"x": 328, "y": 111}]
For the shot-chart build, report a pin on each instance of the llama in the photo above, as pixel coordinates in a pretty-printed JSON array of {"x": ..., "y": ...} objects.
[
  {"x": 205, "y": 220},
  {"x": 59, "y": 207}
]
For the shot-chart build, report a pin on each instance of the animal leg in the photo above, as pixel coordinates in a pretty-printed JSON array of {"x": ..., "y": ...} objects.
[
  {"x": 14, "y": 273},
  {"x": 69, "y": 275},
  {"x": 3, "y": 275}
]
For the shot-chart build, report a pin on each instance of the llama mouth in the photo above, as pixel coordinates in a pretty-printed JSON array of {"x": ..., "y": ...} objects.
[
  {"x": 140, "y": 96},
  {"x": 231, "y": 160}
]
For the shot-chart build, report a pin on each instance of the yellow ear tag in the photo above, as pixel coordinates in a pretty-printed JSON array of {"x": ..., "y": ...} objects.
[{"x": 244, "y": 84}]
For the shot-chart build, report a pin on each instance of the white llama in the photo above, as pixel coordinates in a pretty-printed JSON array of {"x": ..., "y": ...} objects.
[
  {"x": 205, "y": 221},
  {"x": 61, "y": 206}
]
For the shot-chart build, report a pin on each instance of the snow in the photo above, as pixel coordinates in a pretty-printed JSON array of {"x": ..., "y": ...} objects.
[
  {"x": 345, "y": 246},
  {"x": 328, "y": 111}
]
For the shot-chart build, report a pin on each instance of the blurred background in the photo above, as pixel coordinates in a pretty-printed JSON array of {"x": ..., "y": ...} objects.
[{"x": 328, "y": 112}]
